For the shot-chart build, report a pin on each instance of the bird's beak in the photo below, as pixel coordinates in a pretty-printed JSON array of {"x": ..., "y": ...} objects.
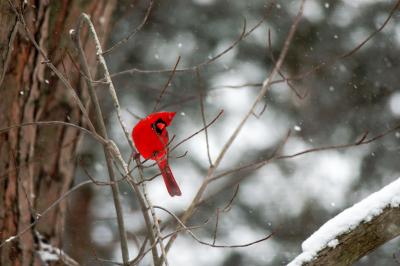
[{"x": 161, "y": 126}]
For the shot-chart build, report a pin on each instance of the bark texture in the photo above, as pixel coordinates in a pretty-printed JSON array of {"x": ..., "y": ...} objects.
[
  {"x": 361, "y": 240},
  {"x": 37, "y": 163}
]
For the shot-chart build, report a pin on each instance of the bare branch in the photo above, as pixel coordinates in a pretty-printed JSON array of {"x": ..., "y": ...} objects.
[
  {"x": 225, "y": 209},
  {"x": 203, "y": 117},
  {"x": 134, "y": 115},
  {"x": 193, "y": 68},
  {"x": 242, "y": 36},
  {"x": 171, "y": 76},
  {"x": 40, "y": 215},
  {"x": 281, "y": 73},
  {"x": 101, "y": 183},
  {"x": 352, "y": 51},
  {"x": 138, "y": 258},
  {"x": 211, "y": 244},
  {"x": 236, "y": 86},
  {"x": 56, "y": 123},
  {"x": 255, "y": 165},
  {"x": 266, "y": 85},
  {"x": 229, "y": 205},
  {"x": 102, "y": 128},
  {"x": 197, "y": 132},
  {"x": 135, "y": 31}
]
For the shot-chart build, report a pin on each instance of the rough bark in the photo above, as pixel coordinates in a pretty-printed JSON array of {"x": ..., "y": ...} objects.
[
  {"x": 361, "y": 240},
  {"x": 37, "y": 163}
]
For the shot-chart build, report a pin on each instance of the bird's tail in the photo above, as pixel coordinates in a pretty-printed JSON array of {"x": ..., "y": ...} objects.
[{"x": 169, "y": 180}]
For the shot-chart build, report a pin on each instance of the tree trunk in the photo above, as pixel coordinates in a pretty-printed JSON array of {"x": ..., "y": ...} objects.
[{"x": 37, "y": 162}]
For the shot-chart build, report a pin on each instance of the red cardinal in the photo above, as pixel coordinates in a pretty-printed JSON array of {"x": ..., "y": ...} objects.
[{"x": 151, "y": 139}]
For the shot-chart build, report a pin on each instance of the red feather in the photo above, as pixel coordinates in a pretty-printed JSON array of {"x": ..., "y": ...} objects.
[{"x": 150, "y": 136}]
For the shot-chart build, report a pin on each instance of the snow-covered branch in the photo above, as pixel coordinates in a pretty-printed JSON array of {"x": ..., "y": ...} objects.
[{"x": 356, "y": 231}]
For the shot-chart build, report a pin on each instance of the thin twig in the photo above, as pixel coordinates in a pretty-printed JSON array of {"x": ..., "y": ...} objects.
[
  {"x": 210, "y": 244},
  {"x": 141, "y": 252},
  {"x": 274, "y": 156},
  {"x": 203, "y": 117},
  {"x": 242, "y": 36},
  {"x": 158, "y": 238},
  {"x": 197, "y": 132},
  {"x": 179, "y": 102},
  {"x": 362, "y": 141},
  {"x": 134, "y": 115},
  {"x": 10, "y": 47},
  {"x": 146, "y": 216},
  {"x": 280, "y": 72},
  {"x": 101, "y": 183},
  {"x": 103, "y": 132},
  {"x": 266, "y": 85},
  {"x": 171, "y": 76},
  {"x": 99, "y": 53},
  {"x": 137, "y": 259},
  {"x": 81, "y": 72},
  {"x": 134, "y": 32},
  {"x": 39, "y": 216},
  {"x": 146, "y": 200},
  {"x": 225, "y": 209},
  {"x": 328, "y": 62},
  {"x": 143, "y": 200},
  {"x": 192, "y": 68},
  {"x": 230, "y": 202},
  {"x": 332, "y": 61},
  {"x": 218, "y": 87},
  {"x": 56, "y": 123},
  {"x": 267, "y": 13},
  {"x": 216, "y": 226}
]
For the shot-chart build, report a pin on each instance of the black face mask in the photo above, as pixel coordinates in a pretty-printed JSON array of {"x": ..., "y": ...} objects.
[{"x": 156, "y": 127}]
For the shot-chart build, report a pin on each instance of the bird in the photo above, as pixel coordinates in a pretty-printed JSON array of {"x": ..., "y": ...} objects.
[{"x": 150, "y": 137}]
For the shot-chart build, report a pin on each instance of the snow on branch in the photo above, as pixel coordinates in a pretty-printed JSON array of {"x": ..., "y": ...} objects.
[
  {"x": 48, "y": 253},
  {"x": 356, "y": 231}
]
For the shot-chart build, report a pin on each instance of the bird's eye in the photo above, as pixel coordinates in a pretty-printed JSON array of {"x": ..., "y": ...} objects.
[{"x": 159, "y": 126}]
